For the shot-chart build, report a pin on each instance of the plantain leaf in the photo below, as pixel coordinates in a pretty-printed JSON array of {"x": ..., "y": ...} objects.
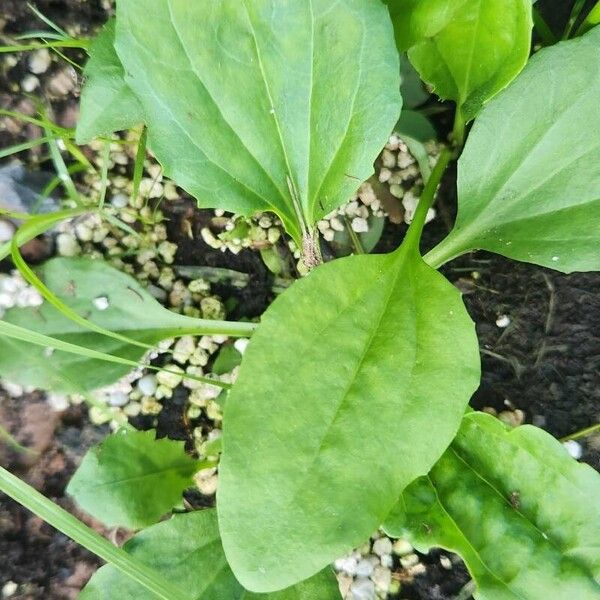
[
  {"x": 107, "y": 102},
  {"x": 353, "y": 385},
  {"x": 468, "y": 50},
  {"x": 529, "y": 178},
  {"x": 187, "y": 549},
  {"x": 110, "y": 299},
  {"x": 239, "y": 101},
  {"x": 132, "y": 479},
  {"x": 515, "y": 506}
]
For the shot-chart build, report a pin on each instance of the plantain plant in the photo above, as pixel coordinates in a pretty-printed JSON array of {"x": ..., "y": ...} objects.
[{"x": 351, "y": 407}]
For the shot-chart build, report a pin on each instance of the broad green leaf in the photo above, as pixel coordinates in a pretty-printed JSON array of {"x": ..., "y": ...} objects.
[
  {"x": 515, "y": 506},
  {"x": 239, "y": 100},
  {"x": 529, "y": 177},
  {"x": 187, "y": 549},
  {"x": 132, "y": 479},
  {"x": 107, "y": 102},
  {"x": 110, "y": 299},
  {"x": 353, "y": 385},
  {"x": 468, "y": 50}
]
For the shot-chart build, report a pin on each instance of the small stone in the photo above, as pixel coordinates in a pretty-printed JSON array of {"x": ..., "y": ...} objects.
[
  {"x": 83, "y": 232},
  {"x": 171, "y": 377},
  {"x": 147, "y": 384},
  {"x": 402, "y": 547},
  {"x": 9, "y": 589},
  {"x": 101, "y": 303},
  {"x": 362, "y": 589},
  {"x": 388, "y": 158},
  {"x": 387, "y": 561},
  {"x": 574, "y": 449},
  {"x": 513, "y": 418},
  {"x": 503, "y": 321},
  {"x": 360, "y": 225},
  {"x": 346, "y": 565},
  {"x": 382, "y": 546},
  {"x": 384, "y": 175},
  {"x": 58, "y": 402},
  {"x": 7, "y": 230},
  {"x": 67, "y": 245},
  {"x": 410, "y": 560},
  {"x": 241, "y": 344},
  {"x": 397, "y": 191},
  {"x": 184, "y": 348},
  {"x": 29, "y": 83},
  {"x": 418, "y": 569},
  {"x": 62, "y": 83},
  {"x": 329, "y": 235},
  {"x": 446, "y": 563},
  {"x": 364, "y": 568},
  {"x": 133, "y": 409},
  {"x": 39, "y": 61},
  {"x": 382, "y": 578},
  {"x": 119, "y": 201},
  {"x": 336, "y": 224},
  {"x": 149, "y": 406},
  {"x": 118, "y": 399}
]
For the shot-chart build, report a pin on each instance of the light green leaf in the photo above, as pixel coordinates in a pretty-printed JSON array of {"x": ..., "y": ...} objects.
[
  {"x": 468, "y": 50},
  {"x": 239, "y": 101},
  {"x": 516, "y": 507},
  {"x": 187, "y": 549},
  {"x": 132, "y": 479},
  {"x": 353, "y": 385},
  {"x": 529, "y": 178},
  {"x": 88, "y": 286},
  {"x": 107, "y": 102}
]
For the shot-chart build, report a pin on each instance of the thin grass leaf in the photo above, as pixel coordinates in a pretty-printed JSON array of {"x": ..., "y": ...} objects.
[
  {"x": 120, "y": 224},
  {"x": 62, "y": 171},
  {"x": 59, "y": 518},
  {"x": 104, "y": 174},
  {"x": 26, "y": 335},
  {"x": 48, "y": 21},
  {"x": 82, "y": 44},
  {"x": 61, "y": 132},
  {"x": 138, "y": 169},
  {"x": 16, "y": 148},
  {"x": 40, "y": 34},
  {"x": 38, "y": 225}
]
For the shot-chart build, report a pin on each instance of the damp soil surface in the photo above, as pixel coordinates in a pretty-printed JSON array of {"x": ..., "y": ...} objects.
[{"x": 545, "y": 361}]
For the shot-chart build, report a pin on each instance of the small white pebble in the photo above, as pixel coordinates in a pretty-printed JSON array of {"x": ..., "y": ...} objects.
[
  {"x": 118, "y": 399},
  {"x": 241, "y": 344},
  {"x": 67, "y": 245},
  {"x": 362, "y": 589},
  {"x": 29, "y": 83},
  {"x": 101, "y": 303},
  {"x": 410, "y": 560},
  {"x": 39, "y": 61},
  {"x": 503, "y": 321},
  {"x": 364, "y": 568},
  {"x": 147, "y": 385},
  {"x": 387, "y": 560},
  {"x": 58, "y": 402},
  {"x": 346, "y": 565},
  {"x": 9, "y": 589},
  {"x": 7, "y": 230},
  {"x": 574, "y": 449},
  {"x": 360, "y": 225},
  {"x": 446, "y": 563},
  {"x": 119, "y": 200},
  {"x": 382, "y": 546},
  {"x": 329, "y": 235}
]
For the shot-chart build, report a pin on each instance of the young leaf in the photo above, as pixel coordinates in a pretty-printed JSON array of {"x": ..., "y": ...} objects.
[
  {"x": 132, "y": 479},
  {"x": 529, "y": 178},
  {"x": 110, "y": 299},
  {"x": 515, "y": 506},
  {"x": 468, "y": 50},
  {"x": 187, "y": 549},
  {"x": 353, "y": 385},
  {"x": 239, "y": 104},
  {"x": 107, "y": 103}
]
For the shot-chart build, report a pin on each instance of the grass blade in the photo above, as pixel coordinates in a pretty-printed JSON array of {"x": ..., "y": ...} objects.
[{"x": 66, "y": 523}]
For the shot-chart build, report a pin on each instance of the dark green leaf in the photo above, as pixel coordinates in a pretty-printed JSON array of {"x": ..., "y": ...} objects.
[
  {"x": 529, "y": 178},
  {"x": 107, "y": 102},
  {"x": 467, "y": 50},
  {"x": 132, "y": 479},
  {"x": 239, "y": 100},
  {"x": 187, "y": 549},
  {"x": 515, "y": 506},
  {"x": 353, "y": 385},
  {"x": 87, "y": 286}
]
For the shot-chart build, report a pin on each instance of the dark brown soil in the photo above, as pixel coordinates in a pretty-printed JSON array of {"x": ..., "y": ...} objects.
[{"x": 545, "y": 363}]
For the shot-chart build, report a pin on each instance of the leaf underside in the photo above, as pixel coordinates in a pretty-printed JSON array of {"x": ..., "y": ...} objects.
[
  {"x": 529, "y": 178},
  {"x": 79, "y": 282},
  {"x": 239, "y": 104},
  {"x": 188, "y": 551},
  {"x": 515, "y": 506},
  {"x": 132, "y": 479},
  {"x": 353, "y": 385}
]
